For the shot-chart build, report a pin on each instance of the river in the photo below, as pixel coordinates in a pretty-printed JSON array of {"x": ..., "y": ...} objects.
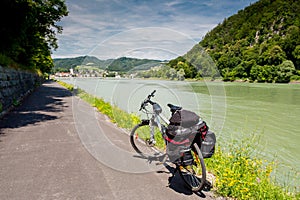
[{"x": 232, "y": 110}]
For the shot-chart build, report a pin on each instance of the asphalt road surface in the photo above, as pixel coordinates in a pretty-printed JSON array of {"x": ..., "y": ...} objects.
[{"x": 55, "y": 146}]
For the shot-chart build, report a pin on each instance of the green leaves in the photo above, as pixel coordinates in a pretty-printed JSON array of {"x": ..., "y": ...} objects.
[
  {"x": 31, "y": 34},
  {"x": 265, "y": 33}
]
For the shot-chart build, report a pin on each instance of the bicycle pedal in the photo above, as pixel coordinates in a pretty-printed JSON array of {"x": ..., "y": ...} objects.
[
  {"x": 150, "y": 143},
  {"x": 182, "y": 169}
]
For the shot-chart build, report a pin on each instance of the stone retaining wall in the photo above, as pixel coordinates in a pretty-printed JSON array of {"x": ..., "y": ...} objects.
[{"x": 14, "y": 85}]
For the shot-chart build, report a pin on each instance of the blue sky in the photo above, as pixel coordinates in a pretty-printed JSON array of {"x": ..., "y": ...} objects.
[{"x": 154, "y": 29}]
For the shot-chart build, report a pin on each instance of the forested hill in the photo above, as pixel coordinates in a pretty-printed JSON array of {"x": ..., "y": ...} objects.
[
  {"x": 122, "y": 64},
  {"x": 259, "y": 43},
  {"x": 64, "y": 64},
  {"x": 125, "y": 64}
]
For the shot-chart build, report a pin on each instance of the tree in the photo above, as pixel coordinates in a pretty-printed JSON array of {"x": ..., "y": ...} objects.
[
  {"x": 245, "y": 67},
  {"x": 296, "y": 55},
  {"x": 172, "y": 73},
  {"x": 228, "y": 74},
  {"x": 273, "y": 56},
  {"x": 31, "y": 34},
  {"x": 290, "y": 42},
  {"x": 285, "y": 71},
  {"x": 181, "y": 63},
  {"x": 268, "y": 37},
  {"x": 262, "y": 73},
  {"x": 180, "y": 74},
  {"x": 189, "y": 70}
]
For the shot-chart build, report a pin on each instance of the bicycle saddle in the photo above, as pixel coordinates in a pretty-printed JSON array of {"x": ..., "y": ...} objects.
[{"x": 173, "y": 107}]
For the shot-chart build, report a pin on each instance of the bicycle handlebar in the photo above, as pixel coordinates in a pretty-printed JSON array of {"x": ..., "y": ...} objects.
[
  {"x": 147, "y": 100},
  {"x": 152, "y": 94}
]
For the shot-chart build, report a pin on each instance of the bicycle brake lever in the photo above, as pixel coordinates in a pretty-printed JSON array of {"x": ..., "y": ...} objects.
[
  {"x": 142, "y": 106},
  {"x": 152, "y": 94}
]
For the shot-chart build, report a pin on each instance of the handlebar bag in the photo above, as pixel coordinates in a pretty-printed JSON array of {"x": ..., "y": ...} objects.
[{"x": 184, "y": 118}]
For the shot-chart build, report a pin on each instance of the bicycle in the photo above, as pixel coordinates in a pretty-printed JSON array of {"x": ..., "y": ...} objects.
[{"x": 149, "y": 137}]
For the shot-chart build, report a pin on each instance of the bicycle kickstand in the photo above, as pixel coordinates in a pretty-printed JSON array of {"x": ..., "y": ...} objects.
[{"x": 173, "y": 175}]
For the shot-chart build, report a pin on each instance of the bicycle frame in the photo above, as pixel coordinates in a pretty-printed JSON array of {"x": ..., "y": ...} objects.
[{"x": 156, "y": 122}]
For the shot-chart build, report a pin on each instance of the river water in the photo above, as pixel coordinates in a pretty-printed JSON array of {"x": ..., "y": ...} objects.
[{"x": 268, "y": 111}]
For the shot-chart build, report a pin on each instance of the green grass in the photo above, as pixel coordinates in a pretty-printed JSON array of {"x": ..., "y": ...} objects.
[
  {"x": 68, "y": 86},
  {"x": 239, "y": 173},
  {"x": 242, "y": 175}
]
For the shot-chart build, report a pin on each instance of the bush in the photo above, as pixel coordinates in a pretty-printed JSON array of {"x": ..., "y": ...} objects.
[
  {"x": 6, "y": 61},
  {"x": 295, "y": 78},
  {"x": 285, "y": 71}
]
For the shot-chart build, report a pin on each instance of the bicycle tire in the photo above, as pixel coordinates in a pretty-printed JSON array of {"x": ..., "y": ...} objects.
[
  {"x": 138, "y": 139},
  {"x": 194, "y": 175}
]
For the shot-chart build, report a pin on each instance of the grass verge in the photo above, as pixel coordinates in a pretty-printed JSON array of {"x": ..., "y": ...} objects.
[
  {"x": 242, "y": 175},
  {"x": 239, "y": 174}
]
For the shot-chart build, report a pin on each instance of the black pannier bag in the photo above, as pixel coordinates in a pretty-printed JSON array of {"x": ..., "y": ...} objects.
[
  {"x": 205, "y": 139},
  {"x": 179, "y": 154},
  {"x": 178, "y": 145},
  {"x": 208, "y": 144},
  {"x": 180, "y": 133},
  {"x": 184, "y": 118}
]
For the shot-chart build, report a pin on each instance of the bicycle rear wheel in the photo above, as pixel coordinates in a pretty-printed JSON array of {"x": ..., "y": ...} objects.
[
  {"x": 139, "y": 139},
  {"x": 194, "y": 175}
]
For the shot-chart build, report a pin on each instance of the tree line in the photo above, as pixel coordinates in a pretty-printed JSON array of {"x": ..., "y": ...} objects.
[
  {"x": 28, "y": 32},
  {"x": 259, "y": 43}
]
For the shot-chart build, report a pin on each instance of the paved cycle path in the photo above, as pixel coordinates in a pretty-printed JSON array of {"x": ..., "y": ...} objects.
[{"x": 55, "y": 146}]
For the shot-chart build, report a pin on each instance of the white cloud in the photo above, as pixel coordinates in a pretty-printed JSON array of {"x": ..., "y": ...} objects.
[
  {"x": 159, "y": 28},
  {"x": 165, "y": 44}
]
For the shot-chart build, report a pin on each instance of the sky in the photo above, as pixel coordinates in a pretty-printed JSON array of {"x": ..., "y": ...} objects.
[{"x": 153, "y": 29}]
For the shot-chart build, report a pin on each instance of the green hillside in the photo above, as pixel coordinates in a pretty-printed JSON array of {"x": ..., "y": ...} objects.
[
  {"x": 64, "y": 64},
  {"x": 125, "y": 64},
  {"x": 259, "y": 43},
  {"x": 122, "y": 64}
]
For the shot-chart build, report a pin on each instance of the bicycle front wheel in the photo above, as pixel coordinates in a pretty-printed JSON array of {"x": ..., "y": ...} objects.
[
  {"x": 194, "y": 175},
  {"x": 139, "y": 139}
]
